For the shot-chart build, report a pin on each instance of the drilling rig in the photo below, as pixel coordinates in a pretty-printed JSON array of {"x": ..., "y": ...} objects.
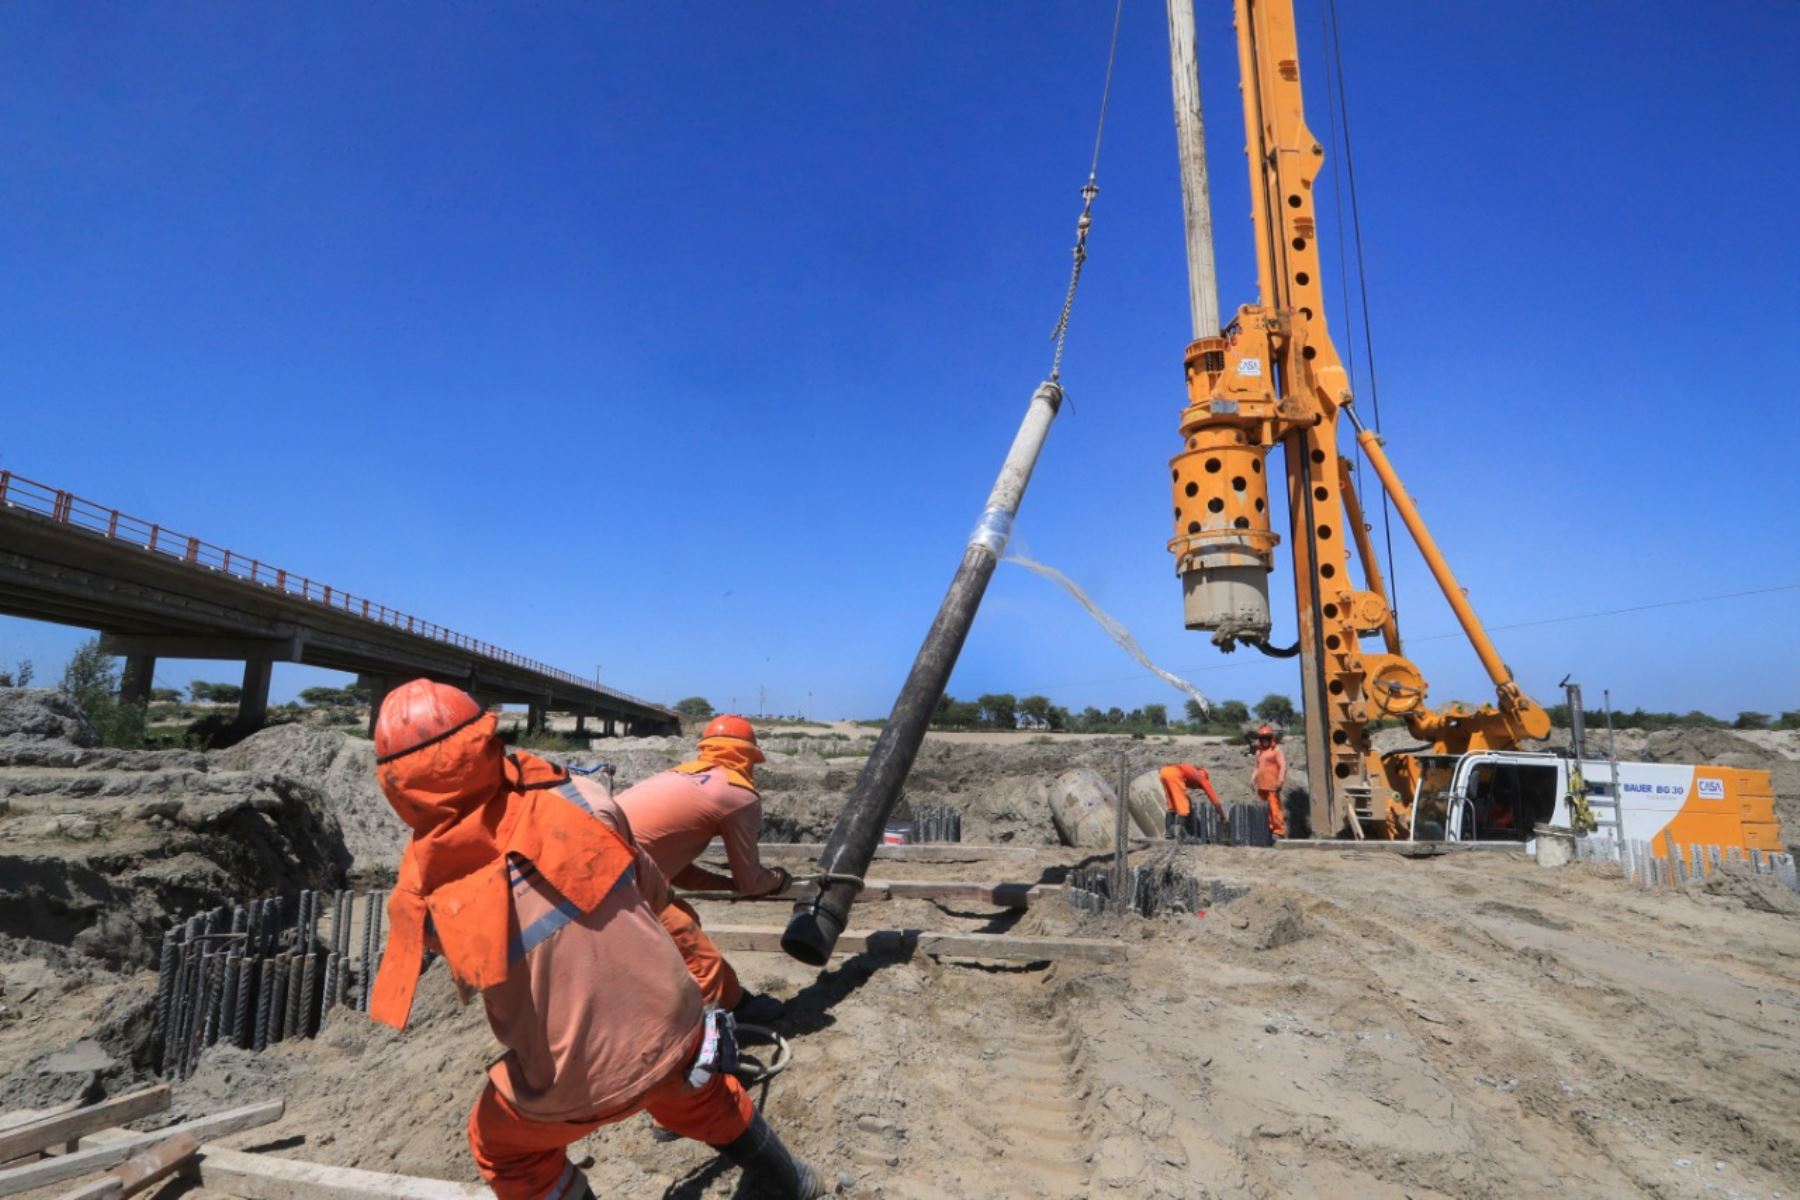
[{"x": 1272, "y": 380}]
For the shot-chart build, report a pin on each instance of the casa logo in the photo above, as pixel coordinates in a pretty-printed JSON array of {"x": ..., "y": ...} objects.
[{"x": 1712, "y": 789}]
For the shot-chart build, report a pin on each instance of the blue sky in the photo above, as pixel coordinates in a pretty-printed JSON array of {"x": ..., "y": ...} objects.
[{"x": 685, "y": 339}]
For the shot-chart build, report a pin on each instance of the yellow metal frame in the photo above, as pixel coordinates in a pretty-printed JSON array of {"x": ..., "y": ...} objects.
[{"x": 1274, "y": 378}]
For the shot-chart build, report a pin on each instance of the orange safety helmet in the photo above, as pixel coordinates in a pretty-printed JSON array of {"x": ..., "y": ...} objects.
[
  {"x": 418, "y": 712},
  {"x": 732, "y": 726},
  {"x": 1265, "y": 732}
]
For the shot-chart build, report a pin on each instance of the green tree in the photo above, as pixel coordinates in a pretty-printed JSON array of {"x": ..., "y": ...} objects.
[
  {"x": 1195, "y": 713},
  {"x": 962, "y": 714},
  {"x": 1000, "y": 709},
  {"x": 695, "y": 708},
  {"x": 1156, "y": 714},
  {"x": 165, "y": 695},
  {"x": 1036, "y": 707},
  {"x": 328, "y": 697},
  {"x": 1751, "y": 720},
  {"x": 1788, "y": 720},
  {"x": 19, "y": 676},
  {"x": 203, "y": 692},
  {"x": 92, "y": 680},
  {"x": 1276, "y": 709},
  {"x": 1090, "y": 718},
  {"x": 1115, "y": 715},
  {"x": 1058, "y": 716},
  {"x": 1231, "y": 712}
]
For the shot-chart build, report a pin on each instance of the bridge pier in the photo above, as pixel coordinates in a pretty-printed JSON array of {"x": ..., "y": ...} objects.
[
  {"x": 534, "y": 718},
  {"x": 580, "y": 724},
  {"x": 253, "y": 708},
  {"x": 134, "y": 684},
  {"x": 378, "y": 690}
]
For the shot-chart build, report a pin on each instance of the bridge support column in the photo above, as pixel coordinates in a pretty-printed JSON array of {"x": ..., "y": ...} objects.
[
  {"x": 580, "y": 724},
  {"x": 378, "y": 690},
  {"x": 534, "y": 718},
  {"x": 610, "y": 728},
  {"x": 134, "y": 684},
  {"x": 253, "y": 709}
]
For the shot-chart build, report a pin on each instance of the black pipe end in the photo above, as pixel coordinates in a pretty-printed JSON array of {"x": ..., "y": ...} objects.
[{"x": 811, "y": 935}]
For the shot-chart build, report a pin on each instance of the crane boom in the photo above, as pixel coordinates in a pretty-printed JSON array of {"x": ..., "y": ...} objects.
[{"x": 1272, "y": 379}]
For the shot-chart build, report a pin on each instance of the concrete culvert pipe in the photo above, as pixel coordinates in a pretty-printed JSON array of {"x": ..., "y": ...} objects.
[
  {"x": 1145, "y": 796},
  {"x": 1082, "y": 808}
]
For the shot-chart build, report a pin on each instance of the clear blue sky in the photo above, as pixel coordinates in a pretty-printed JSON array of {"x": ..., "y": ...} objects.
[{"x": 686, "y": 339}]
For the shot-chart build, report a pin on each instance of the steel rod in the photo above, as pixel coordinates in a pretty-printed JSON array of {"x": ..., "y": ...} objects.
[{"x": 817, "y": 922}]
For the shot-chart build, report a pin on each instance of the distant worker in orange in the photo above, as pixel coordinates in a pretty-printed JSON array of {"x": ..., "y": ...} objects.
[
  {"x": 1176, "y": 779},
  {"x": 1270, "y": 777},
  {"x": 675, "y": 815},
  {"x": 528, "y": 883}
]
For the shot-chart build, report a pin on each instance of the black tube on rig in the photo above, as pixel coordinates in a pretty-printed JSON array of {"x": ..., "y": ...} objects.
[{"x": 813, "y": 930}]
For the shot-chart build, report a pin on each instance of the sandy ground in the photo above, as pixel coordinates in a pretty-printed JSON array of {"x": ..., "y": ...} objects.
[{"x": 1354, "y": 1024}]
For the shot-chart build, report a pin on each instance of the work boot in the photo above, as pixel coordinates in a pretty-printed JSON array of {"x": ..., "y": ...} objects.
[
  {"x": 761, "y": 1155},
  {"x": 756, "y": 1008}
]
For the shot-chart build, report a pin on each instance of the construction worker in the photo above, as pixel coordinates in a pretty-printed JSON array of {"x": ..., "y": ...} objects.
[
  {"x": 675, "y": 815},
  {"x": 1270, "y": 776},
  {"x": 527, "y": 881},
  {"x": 1176, "y": 779}
]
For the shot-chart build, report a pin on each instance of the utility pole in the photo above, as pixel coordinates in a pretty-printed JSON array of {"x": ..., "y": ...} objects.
[{"x": 1190, "y": 144}]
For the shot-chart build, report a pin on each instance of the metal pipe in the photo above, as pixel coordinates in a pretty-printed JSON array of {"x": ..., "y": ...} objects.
[
  {"x": 1190, "y": 146},
  {"x": 813, "y": 930}
]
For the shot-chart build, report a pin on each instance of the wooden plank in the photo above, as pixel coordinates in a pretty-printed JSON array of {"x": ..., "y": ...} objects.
[
  {"x": 112, "y": 1153},
  {"x": 1409, "y": 849},
  {"x": 63, "y": 1127},
  {"x": 918, "y": 852},
  {"x": 265, "y": 1177},
  {"x": 140, "y": 1170},
  {"x": 954, "y": 945},
  {"x": 1000, "y": 895}
]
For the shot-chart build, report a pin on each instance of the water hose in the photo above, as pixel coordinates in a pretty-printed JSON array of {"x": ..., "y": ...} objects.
[{"x": 751, "y": 1070}]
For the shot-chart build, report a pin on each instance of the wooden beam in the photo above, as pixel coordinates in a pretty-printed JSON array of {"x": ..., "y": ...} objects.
[
  {"x": 906, "y": 942},
  {"x": 32, "y": 1136},
  {"x": 99, "y": 1158},
  {"x": 140, "y": 1170},
  {"x": 265, "y": 1177},
  {"x": 948, "y": 852},
  {"x": 999, "y": 895}
]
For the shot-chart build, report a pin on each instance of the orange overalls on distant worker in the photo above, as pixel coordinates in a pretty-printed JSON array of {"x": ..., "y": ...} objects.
[
  {"x": 1177, "y": 778},
  {"x": 530, "y": 886},
  {"x": 1271, "y": 774},
  {"x": 674, "y": 816}
]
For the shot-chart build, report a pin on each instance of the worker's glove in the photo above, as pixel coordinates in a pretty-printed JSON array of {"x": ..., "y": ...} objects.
[{"x": 786, "y": 880}]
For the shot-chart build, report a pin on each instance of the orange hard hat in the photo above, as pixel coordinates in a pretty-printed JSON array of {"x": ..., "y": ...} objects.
[
  {"x": 418, "y": 712},
  {"x": 732, "y": 726},
  {"x": 1265, "y": 732}
]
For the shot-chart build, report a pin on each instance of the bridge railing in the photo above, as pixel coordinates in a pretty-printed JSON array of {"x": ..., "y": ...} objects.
[{"x": 66, "y": 508}]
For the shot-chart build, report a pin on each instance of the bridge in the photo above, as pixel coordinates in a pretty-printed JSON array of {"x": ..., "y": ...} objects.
[{"x": 154, "y": 593}]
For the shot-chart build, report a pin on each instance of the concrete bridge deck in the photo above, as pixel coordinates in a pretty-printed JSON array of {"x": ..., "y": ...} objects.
[{"x": 154, "y": 593}]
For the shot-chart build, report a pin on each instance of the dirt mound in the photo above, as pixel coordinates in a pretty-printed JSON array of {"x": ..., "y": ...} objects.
[
  {"x": 341, "y": 769},
  {"x": 1713, "y": 746},
  {"x": 44, "y": 714},
  {"x": 1760, "y": 893}
]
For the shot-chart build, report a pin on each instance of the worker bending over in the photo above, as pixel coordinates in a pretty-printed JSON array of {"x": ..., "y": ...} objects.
[
  {"x": 1178, "y": 814},
  {"x": 675, "y": 816},
  {"x": 1270, "y": 777},
  {"x": 530, "y": 885}
]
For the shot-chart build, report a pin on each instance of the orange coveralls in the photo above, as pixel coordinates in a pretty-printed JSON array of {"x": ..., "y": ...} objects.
[
  {"x": 1177, "y": 778},
  {"x": 1271, "y": 774},
  {"x": 674, "y": 816},
  {"x": 599, "y": 1013}
]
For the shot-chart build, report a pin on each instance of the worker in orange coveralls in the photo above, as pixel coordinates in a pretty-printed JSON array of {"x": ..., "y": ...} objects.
[
  {"x": 1176, "y": 779},
  {"x": 529, "y": 884},
  {"x": 675, "y": 815},
  {"x": 1271, "y": 775}
]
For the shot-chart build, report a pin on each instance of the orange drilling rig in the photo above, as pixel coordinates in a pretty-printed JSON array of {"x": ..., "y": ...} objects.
[{"x": 1272, "y": 379}]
